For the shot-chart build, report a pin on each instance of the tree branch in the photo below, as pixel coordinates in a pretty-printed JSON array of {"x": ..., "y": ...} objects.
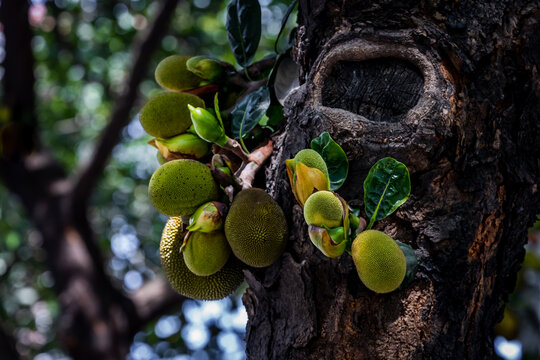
[
  {"x": 88, "y": 177},
  {"x": 7, "y": 344},
  {"x": 155, "y": 298},
  {"x": 18, "y": 81}
]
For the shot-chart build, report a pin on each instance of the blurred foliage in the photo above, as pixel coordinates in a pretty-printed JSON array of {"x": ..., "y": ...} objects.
[
  {"x": 82, "y": 52},
  {"x": 518, "y": 334}
]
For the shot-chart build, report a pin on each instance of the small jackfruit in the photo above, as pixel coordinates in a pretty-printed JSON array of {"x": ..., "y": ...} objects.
[
  {"x": 205, "y": 67},
  {"x": 323, "y": 208},
  {"x": 380, "y": 262},
  {"x": 208, "y": 217},
  {"x": 166, "y": 115},
  {"x": 312, "y": 159},
  {"x": 206, "y": 253},
  {"x": 161, "y": 160},
  {"x": 212, "y": 287},
  {"x": 179, "y": 187},
  {"x": 172, "y": 74},
  {"x": 256, "y": 228}
]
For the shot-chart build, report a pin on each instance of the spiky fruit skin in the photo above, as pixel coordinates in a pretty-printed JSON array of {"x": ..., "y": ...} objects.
[
  {"x": 323, "y": 208},
  {"x": 206, "y": 253},
  {"x": 179, "y": 187},
  {"x": 379, "y": 261},
  {"x": 166, "y": 115},
  {"x": 313, "y": 159},
  {"x": 213, "y": 287},
  {"x": 256, "y": 228},
  {"x": 172, "y": 74}
]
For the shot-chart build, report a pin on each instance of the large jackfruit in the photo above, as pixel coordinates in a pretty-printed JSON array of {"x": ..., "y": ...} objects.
[
  {"x": 212, "y": 287},
  {"x": 166, "y": 115},
  {"x": 256, "y": 228},
  {"x": 179, "y": 187},
  {"x": 379, "y": 260}
]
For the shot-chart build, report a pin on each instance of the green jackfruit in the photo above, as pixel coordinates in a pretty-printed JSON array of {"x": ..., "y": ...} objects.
[
  {"x": 205, "y": 67},
  {"x": 379, "y": 261},
  {"x": 323, "y": 208},
  {"x": 166, "y": 115},
  {"x": 312, "y": 159},
  {"x": 213, "y": 287},
  {"x": 172, "y": 74},
  {"x": 206, "y": 253},
  {"x": 161, "y": 160},
  {"x": 179, "y": 187},
  {"x": 256, "y": 228}
]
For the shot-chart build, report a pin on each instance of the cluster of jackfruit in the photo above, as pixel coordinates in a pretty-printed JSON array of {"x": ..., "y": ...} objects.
[
  {"x": 203, "y": 248},
  {"x": 205, "y": 259},
  {"x": 379, "y": 261},
  {"x": 166, "y": 116}
]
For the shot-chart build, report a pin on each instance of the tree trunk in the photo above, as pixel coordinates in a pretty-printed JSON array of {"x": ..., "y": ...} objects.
[{"x": 452, "y": 90}]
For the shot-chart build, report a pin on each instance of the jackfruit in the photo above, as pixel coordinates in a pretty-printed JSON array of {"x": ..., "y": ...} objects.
[
  {"x": 380, "y": 262},
  {"x": 213, "y": 287},
  {"x": 206, "y": 253},
  {"x": 205, "y": 67},
  {"x": 172, "y": 74},
  {"x": 312, "y": 159},
  {"x": 179, "y": 187},
  {"x": 323, "y": 208},
  {"x": 161, "y": 160},
  {"x": 256, "y": 228},
  {"x": 166, "y": 115}
]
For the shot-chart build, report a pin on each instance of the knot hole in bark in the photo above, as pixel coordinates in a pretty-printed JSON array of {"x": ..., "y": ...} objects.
[{"x": 381, "y": 89}]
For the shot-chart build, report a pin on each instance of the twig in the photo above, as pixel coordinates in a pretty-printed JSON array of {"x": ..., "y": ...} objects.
[
  {"x": 255, "y": 70},
  {"x": 236, "y": 148},
  {"x": 155, "y": 298},
  {"x": 90, "y": 174},
  {"x": 256, "y": 159}
]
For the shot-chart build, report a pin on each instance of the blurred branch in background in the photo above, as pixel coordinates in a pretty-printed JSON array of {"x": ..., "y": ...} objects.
[
  {"x": 91, "y": 173},
  {"x": 7, "y": 344},
  {"x": 97, "y": 320}
]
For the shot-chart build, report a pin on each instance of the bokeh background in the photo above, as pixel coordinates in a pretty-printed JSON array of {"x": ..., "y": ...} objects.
[{"x": 82, "y": 51}]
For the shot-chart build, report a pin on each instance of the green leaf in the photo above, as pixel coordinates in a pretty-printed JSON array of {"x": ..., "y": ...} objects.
[
  {"x": 386, "y": 187},
  {"x": 216, "y": 110},
  {"x": 272, "y": 118},
  {"x": 284, "y": 22},
  {"x": 247, "y": 113},
  {"x": 335, "y": 158},
  {"x": 244, "y": 29},
  {"x": 412, "y": 264}
]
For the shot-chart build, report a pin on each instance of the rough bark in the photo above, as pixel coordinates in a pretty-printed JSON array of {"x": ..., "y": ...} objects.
[{"x": 470, "y": 142}]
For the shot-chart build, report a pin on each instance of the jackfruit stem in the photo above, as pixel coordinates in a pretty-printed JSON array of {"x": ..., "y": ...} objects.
[
  {"x": 236, "y": 148},
  {"x": 184, "y": 243},
  {"x": 246, "y": 174}
]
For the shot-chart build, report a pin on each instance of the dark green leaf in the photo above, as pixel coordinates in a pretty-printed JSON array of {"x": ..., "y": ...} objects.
[
  {"x": 247, "y": 113},
  {"x": 273, "y": 117},
  {"x": 412, "y": 264},
  {"x": 284, "y": 22},
  {"x": 335, "y": 158},
  {"x": 386, "y": 187},
  {"x": 244, "y": 29},
  {"x": 217, "y": 111}
]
